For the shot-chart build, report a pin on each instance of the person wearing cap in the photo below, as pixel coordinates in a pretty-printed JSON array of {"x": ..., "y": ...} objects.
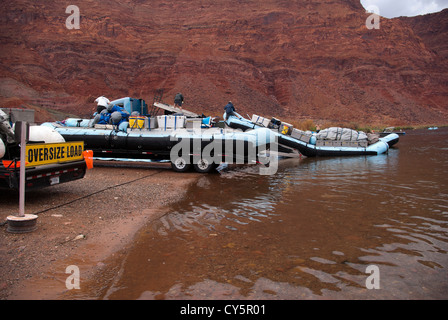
[{"x": 103, "y": 102}]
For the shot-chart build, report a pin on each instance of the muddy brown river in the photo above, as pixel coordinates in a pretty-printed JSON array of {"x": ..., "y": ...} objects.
[{"x": 371, "y": 227}]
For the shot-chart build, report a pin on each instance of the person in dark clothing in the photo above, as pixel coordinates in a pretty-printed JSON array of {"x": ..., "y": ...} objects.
[
  {"x": 178, "y": 99},
  {"x": 229, "y": 109}
]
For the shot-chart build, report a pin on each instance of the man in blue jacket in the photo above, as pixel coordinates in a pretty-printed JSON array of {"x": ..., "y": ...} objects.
[{"x": 229, "y": 109}]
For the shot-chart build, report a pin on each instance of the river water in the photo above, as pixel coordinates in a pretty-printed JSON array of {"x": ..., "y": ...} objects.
[{"x": 314, "y": 230}]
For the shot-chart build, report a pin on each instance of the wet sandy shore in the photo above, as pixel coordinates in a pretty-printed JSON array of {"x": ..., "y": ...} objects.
[{"x": 81, "y": 223}]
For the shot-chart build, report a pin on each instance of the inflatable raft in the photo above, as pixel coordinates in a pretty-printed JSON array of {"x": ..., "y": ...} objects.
[
  {"x": 202, "y": 148},
  {"x": 308, "y": 143}
]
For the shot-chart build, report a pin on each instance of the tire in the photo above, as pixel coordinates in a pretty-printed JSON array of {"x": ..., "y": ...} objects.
[
  {"x": 204, "y": 166},
  {"x": 181, "y": 165}
]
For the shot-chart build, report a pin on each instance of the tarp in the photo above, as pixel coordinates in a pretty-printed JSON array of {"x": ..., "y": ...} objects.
[{"x": 343, "y": 134}]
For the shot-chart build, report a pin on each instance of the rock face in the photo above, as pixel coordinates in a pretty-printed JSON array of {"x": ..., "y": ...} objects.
[{"x": 298, "y": 59}]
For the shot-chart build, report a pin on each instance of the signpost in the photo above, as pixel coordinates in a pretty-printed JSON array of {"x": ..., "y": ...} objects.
[
  {"x": 23, "y": 140},
  {"x": 22, "y": 222}
]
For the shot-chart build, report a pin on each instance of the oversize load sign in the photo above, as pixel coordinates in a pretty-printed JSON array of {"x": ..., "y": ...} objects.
[{"x": 41, "y": 154}]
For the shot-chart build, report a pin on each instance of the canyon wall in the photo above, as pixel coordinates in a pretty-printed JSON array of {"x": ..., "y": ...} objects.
[{"x": 295, "y": 59}]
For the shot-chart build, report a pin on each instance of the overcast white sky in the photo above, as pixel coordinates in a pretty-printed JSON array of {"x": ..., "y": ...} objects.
[{"x": 410, "y": 8}]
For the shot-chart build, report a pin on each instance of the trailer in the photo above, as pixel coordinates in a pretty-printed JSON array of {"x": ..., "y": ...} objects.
[{"x": 165, "y": 133}]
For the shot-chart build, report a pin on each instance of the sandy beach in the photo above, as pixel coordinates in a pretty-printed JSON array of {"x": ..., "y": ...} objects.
[{"x": 81, "y": 223}]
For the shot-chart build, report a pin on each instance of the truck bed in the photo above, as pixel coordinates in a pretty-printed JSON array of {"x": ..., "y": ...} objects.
[{"x": 42, "y": 176}]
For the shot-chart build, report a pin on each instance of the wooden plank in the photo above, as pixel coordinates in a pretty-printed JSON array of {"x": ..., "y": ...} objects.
[{"x": 174, "y": 109}]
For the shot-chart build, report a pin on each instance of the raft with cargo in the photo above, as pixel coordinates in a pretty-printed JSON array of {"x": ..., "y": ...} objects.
[
  {"x": 127, "y": 129},
  {"x": 184, "y": 138},
  {"x": 325, "y": 143}
]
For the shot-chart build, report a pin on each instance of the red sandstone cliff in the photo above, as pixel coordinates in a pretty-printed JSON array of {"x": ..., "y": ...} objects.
[{"x": 285, "y": 58}]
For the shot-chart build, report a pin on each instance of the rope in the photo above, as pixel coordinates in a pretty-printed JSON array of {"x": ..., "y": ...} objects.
[{"x": 96, "y": 192}]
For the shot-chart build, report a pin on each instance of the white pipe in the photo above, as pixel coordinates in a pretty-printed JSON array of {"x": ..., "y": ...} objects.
[{"x": 22, "y": 171}]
